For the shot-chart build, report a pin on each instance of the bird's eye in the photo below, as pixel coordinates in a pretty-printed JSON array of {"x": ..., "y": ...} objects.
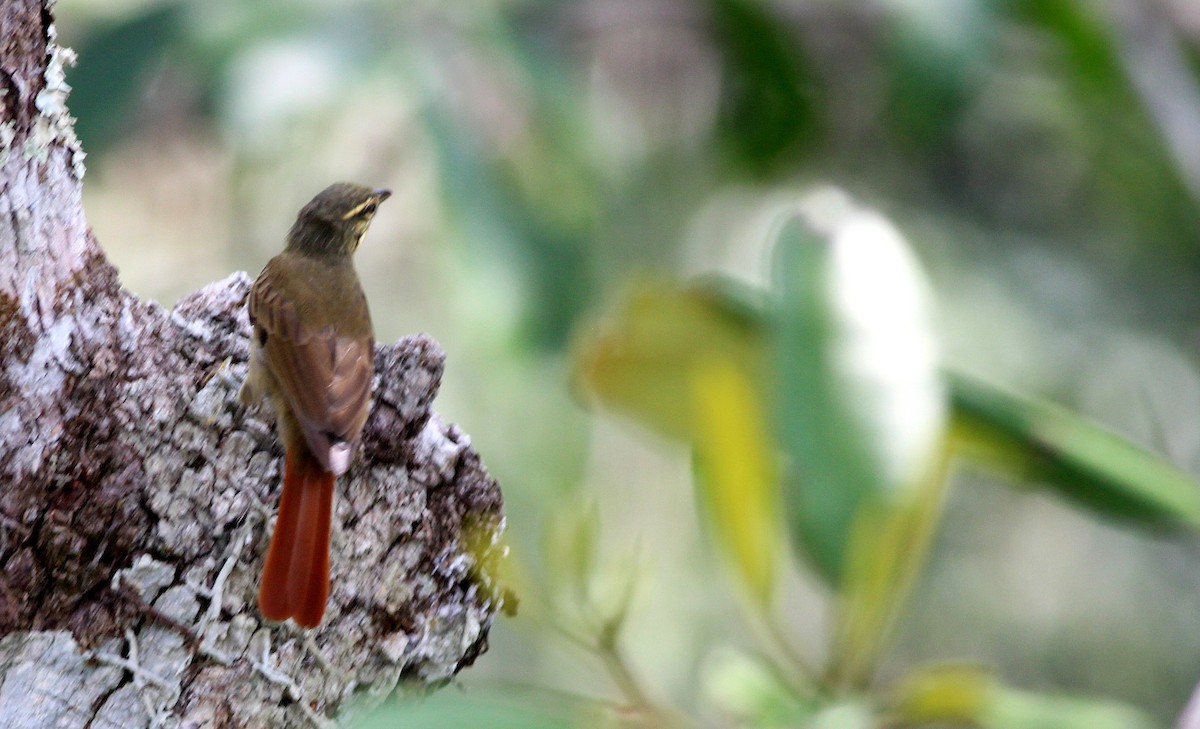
[{"x": 369, "y": 209}]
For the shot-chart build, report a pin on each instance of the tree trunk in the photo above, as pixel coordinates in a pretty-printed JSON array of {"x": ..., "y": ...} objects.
[{"x": 136, "y": 493}]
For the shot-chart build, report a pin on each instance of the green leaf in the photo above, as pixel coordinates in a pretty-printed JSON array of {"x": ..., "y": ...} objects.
[
  {"x": 844, "y": 715},
  {"x": 493, "y": 709},
  {"x": 861, "y": 410},
  {"x": 1023, "y": 710},
  {"x": 591, "y": 593},
  {"x": 113, "y": 67},
  {"x": 1088, "y": 44},
  {"x": 569, "y": 550},
  {"x": 636, "y": 362},
  {"x": 931, "y": 72},
  {"x": 530, "y": 203},
  {"x": 859, "y": 405},
  {"x": 1132, "y": 164},
  {"x": 767, "y": 116},
  {"x": 1039, "y": 441},
  {"x": 1071, "y": 455},
  {"x": 746, "y": 690}
]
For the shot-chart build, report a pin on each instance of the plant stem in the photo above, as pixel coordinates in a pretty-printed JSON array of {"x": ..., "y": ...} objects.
[{"x": 618, "y": 669}]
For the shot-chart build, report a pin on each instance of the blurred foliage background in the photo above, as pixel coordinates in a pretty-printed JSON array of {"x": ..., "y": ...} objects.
[{"x": 1041, "y": 158}]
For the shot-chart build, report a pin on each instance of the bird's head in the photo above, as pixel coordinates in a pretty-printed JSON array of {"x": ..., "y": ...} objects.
[{"x": 335, "y": 220}]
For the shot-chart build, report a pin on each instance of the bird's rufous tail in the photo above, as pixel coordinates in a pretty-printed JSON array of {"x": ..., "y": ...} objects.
[{"x": 295, "y": 579}]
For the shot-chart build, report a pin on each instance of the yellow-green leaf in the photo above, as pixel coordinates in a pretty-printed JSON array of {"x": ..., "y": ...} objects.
[
  {"x": 1070, "y": 454},
  {"x": 639, "y": 362},
  {"x": 737, "y": 484},
  {"x": 889, "y": 545},
  {"x": 948, "y": 693},
  {"x": 971, "y": 696}
]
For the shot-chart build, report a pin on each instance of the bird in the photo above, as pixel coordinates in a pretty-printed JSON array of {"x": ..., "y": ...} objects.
[{"x": 311, "y": 358}]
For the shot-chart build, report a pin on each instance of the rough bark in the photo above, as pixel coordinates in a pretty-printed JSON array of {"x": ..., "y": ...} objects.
[{"x": 136, "y": 493}]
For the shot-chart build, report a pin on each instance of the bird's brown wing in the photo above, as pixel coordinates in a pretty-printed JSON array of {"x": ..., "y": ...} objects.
[{"x": 324, "y": 375}]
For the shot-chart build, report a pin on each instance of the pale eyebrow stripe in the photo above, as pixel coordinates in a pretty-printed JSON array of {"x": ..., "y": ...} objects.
[{"x": 356, "y": 211}]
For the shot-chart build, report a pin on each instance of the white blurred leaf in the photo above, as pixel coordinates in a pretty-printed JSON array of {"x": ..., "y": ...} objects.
[{"x": 862, "y": 405}]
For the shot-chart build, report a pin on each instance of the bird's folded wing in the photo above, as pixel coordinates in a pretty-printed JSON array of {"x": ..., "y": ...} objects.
[{"x": 325, "y": 376}]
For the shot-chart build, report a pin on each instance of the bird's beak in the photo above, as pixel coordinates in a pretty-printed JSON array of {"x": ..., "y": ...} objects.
[{"x": 383, "y": 194}]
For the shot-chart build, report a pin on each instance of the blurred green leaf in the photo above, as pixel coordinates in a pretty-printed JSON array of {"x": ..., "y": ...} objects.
[
  {"x": 570, "y": 545},
  {"x": 768, "y": 116},
  {"x": 492, "y": 709},
  {"x": 529, "y": 201},
  {"x": 859, "y": 406},
  {"x": 591, "y": 594},
  {"x": 844, "y": 715},
  {"x": 738, "y": 485},
  {"x": 889, "y": 547},
  {"x": 491, "y": 205},
  {"x": 753, "y": 695},
  {"x": 113, "y": 65},
  {"x": 860, "y": 414},
  {"x": 1132, "y": 165},
  {"x": 1071, "y": 455},
  {"x": 931, "y": 73},
  {"x": 1088, "y": 43},
  {"x": 1024, "y": 710},
  {"x": 831, "y": 475},
  {"x": 610, "y": 593},
  {"x": 636, "y": 365}
]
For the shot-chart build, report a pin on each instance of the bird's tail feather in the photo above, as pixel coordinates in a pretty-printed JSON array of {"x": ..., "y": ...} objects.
[{"x": 295, "y": 580}]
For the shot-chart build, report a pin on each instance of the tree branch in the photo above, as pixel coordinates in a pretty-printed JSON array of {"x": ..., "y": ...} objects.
[{"x": 136, "y": 492}]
